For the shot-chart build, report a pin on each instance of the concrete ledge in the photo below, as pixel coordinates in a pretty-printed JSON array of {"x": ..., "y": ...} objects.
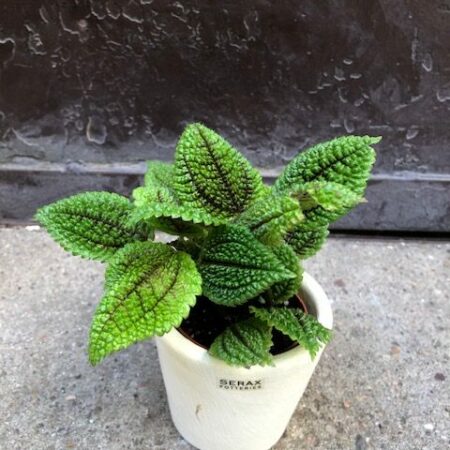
[
  {"x": 383, "y": 383},
  {"x": 396, "y": 202}
]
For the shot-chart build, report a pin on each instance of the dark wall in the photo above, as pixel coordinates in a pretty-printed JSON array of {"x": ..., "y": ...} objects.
[{"x": 93, "y": 88}]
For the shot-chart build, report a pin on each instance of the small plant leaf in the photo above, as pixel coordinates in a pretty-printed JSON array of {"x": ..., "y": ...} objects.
[
  {"x": 306, "y": 243},
  {"x": 235, "y": 266},
  {"x": 324, "y": 202},
  {"x": 157, "y": 204},
  {"x": 211, "y": 176},
  {"x": 270, "y": 217},
  {"x": 159, "y": 175},
  {"x": 92, "y": 225},
  {"x": 157, "y": 188},
  {"x": 244, "y": 344},
  {"x": 168, "y": 210},
  {"x": 345, "y": 160},
  {"x": 330, "y": 196},
  {"x": 284, "y": 290},
  {"x": 149, "y": 290},
  {"x": 298, "y": 326}
]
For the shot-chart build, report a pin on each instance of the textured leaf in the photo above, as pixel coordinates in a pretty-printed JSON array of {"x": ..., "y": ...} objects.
[
  {"x": 163, "y": 219},
  {"x": 324, "y": 202},
  {"x": 331, "y": 196},
  {"x": 298, "y": 326},
  {"x": 244, "y": 344},
  {"x": 150, "y": 289},
  {"x": 155, "y": 210},
  {"x": 157, "y": 204},
  {"x": 270, "y": 217},
  {"x": 284, "y": 290},
  {"x": 93, "y": 224},
  {"x": 212, "y": 176},
  {"x": 159, "y": 175},
  {"x": 346, "y": 160},
  {"x": 157, "y": 187},
  {"x": 307, "y": 243},
  {"x": 235, "y": 266}
]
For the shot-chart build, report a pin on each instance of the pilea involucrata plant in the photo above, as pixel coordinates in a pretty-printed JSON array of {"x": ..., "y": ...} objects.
[{"x": 238, "y": 247}]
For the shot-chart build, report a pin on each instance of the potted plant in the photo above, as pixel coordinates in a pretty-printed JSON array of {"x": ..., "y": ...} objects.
[{"x": 239, "y": 326}]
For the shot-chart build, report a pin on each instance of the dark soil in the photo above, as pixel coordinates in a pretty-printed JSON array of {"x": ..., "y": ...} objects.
[{"x": 207, "y": 320}]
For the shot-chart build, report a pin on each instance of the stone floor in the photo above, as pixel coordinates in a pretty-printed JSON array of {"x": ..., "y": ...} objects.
[{"x": 383, "y": 383}]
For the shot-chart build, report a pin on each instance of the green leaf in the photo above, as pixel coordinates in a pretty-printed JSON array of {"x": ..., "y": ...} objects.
[
  {"x": 307, "y": 243},
  {"x": 331, "y": 196},
  {"x": 164, "y": 218},
  {"x": 211, "y": 176},
  {"x": 155, "y": 210},
  {"x": 157, "y": 204},
  {"x": 345, "y": 160},
  {"x": 298, "y": 326},
  {"x": 159, "y": 175},
  {"x": 284, "y": 290},
  {"x": 244, "y": 344},
  {"x": 93, "y": 224},
  {"x": 157, "y": 188},
  {"x": 324, "y": 202},
  {"x": 235, "y": 266},
  {"x": 150, "y": 289},
  {"x": 270, "y": 217}
]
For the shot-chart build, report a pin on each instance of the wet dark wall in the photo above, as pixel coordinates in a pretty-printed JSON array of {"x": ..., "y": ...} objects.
[{"x": 91, "y": 89}]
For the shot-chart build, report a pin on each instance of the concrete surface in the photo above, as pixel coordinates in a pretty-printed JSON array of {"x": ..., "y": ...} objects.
[{"x": 383, "y": 383}]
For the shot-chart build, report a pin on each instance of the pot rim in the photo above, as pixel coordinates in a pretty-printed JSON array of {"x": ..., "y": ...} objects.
[{"x": 317, "y": 303}]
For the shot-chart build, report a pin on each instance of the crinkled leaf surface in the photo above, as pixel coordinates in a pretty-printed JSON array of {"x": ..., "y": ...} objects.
[
  {"x": 159, "y": 175},
  {"x": 284, "y": 290},
  {"x": 330, "y": 196},
  {"x": 270, "y": 217},
  {"x": 157, "y": 188},
  {"x": 306, "y": 243},
  {"x": 149, "y": 290},
  {"x": 300, "y": 327},
  {"x": 168, "y": 210},
  {"x": 345, "y": 160},
  {"x": 244, "y": 344},
  {"x": 235, "y": 266},
  {"x": 157, "y": 203},
  {"x": 93, "y": 224},
  {"x": 211, "y": 176},
  {"x": 324, "y": 202}
]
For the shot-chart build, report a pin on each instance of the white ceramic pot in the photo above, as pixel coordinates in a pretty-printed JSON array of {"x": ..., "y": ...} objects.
[{"x": 218, "y": 407}]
